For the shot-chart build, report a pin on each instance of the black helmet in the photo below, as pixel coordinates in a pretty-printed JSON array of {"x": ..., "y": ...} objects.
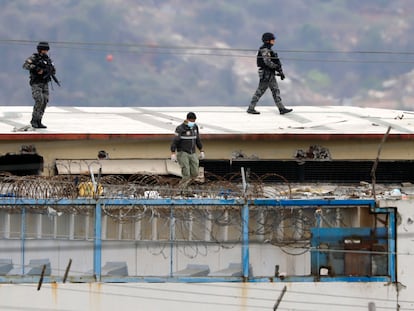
[
  {"x": 43, "y": 45},
  {"x": 191, "y": 116},
  {"x": 267, "y": 36}
]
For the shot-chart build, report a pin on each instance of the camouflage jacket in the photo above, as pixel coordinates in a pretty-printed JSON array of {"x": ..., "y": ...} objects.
[{"x": 268, "y": 59}]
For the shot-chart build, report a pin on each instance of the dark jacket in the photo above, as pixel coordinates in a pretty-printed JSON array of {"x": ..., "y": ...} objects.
[
  {"x": 186, "y": 139},
  {"x": 267, "y": 59},
  {"x": 38, "y": 62}
]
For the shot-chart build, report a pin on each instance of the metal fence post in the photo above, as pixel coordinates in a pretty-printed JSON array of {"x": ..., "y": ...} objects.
[{"x": 97, "y": 247}]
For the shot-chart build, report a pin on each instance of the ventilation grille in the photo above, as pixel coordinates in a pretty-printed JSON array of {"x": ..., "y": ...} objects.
[{"x": 317, "y": 171}]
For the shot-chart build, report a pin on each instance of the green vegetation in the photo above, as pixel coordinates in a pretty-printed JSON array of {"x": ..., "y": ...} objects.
[
  {"x": 155, "y": 63},
  {"x": 318, "y": 80}
]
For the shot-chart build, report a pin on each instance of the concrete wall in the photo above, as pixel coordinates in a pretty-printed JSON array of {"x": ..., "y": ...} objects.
[
  {"x": 209, "y": 296},
  {"x": 215, "y": 149},
  {"x": 201, "y": 297}
]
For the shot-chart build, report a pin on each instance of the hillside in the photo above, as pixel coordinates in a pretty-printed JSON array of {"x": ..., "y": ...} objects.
[{"x": 179, "y": 52}]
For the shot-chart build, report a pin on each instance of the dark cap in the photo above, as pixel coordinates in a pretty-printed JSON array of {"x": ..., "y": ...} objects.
[
  {"x": 191, "y": 116},
  {"x": 43, "y": 45}
]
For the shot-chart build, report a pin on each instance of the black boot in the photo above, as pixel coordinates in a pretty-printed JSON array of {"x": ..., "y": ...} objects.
[
  {"x": 252, "y": 111},
  {"x": 37, "y": 124},
  {"x": 285, "y": 110},
  {"x": 40, "y": 125},
  {"x": 34, "y": 123}
]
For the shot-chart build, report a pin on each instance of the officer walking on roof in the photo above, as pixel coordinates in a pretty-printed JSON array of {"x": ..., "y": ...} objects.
[
  {"x": 183, "y": 147},
  {"x": 42, "y": 70},
  {"x": 268, "y": 63}
]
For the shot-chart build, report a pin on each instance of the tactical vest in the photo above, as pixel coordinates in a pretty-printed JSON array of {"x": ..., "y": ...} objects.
[
  {"x": 259, "y": 59},
  {"x": 44, "y": 63}
]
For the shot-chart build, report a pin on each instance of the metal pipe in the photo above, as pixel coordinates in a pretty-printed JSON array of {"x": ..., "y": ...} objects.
[
  {"x": 97, "y": 247},
  {"x": 245, "y": 241},
  {"x": 23, "y": 237}
]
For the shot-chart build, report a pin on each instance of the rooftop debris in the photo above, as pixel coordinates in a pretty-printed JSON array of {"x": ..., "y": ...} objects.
[{"x": 315, "y": 152}]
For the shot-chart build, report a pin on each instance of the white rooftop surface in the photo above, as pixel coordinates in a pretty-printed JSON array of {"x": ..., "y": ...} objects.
[{"x": 211, "y": 120}]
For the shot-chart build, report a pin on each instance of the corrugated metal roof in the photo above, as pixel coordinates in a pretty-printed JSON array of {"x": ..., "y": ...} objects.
[{"x": 214, "y": 120}]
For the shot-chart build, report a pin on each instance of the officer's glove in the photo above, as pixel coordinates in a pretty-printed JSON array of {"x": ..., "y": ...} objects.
[
  {"x": 282, "y": 76},
  {"x": 202, "y": 155},
  {"x": 173, "y": 157}
]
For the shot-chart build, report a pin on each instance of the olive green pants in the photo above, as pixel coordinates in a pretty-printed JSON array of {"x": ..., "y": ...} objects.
[{"x": 188, "y": 163}]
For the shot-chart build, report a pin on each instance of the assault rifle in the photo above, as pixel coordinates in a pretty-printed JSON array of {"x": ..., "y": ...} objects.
[
  {"x": 47, "y": 68},
  {"x": 55, "y": 79}
]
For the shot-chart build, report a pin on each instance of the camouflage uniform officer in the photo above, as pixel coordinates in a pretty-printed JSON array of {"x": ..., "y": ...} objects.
[
  {"x": 183, "y": 147},
  {"x": 41, "y": 71},
  {"x": 268, "y": 63}
]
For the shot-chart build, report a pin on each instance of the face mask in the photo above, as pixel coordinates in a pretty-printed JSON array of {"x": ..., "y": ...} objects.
[{"x": 190, "y": 124}]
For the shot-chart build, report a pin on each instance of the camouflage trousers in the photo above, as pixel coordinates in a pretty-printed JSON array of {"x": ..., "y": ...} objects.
[
  {"x": 40, "y": 94},
  {"x": 267, "y": 81}
]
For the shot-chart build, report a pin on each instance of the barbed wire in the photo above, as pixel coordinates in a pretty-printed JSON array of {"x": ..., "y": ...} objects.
[{"x": 194, "y": 225}]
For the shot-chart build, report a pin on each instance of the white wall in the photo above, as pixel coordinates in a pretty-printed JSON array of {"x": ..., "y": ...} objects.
[{"x": 200, "y": 297}]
